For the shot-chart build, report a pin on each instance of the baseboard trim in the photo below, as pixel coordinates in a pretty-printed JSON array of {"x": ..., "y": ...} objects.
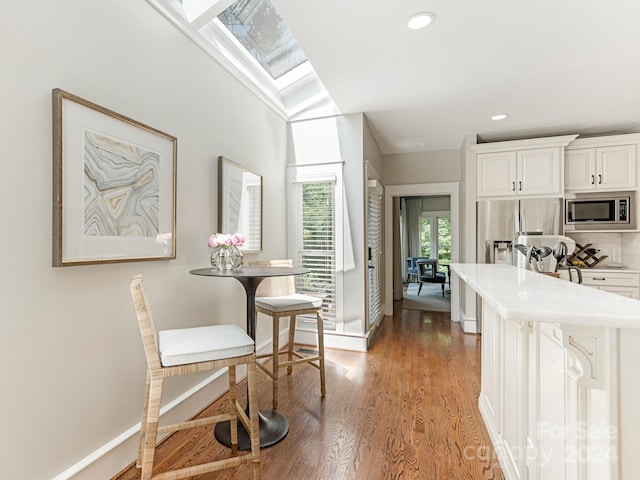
[
  {"x": 119, "y": 452},
  {"x": 499, "y": 447},
  {"x": 340, "y": 341}
]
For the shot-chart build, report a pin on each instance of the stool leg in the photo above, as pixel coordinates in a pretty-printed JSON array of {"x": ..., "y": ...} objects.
[
  {"x": 319, "y": 317},
  {"x": 276, "y": 358},
  {"x": 143, "y": 422},
  {"x": 254, "y": 434},
  {"x": 153, "y": 414},
  {"x": 233, "y": 395},
  {"x": 292, "y": 337}
]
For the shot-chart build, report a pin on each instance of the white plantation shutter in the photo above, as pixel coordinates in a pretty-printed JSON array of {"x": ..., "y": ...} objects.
[
  {"x": 374, "y": 233},
  {"x": 315, "y": 248}
]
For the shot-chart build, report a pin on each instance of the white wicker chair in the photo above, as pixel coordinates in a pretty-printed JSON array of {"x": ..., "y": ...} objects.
[
  {"x": 182, "y": 351},
  {"x": 277, "y": 298}
]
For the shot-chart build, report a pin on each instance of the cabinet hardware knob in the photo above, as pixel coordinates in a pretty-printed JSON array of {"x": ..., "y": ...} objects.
[
  {"x": 593, "y": 179},
  {"x": 599, "y": 179},
  {"x": 520, "y": 186},
  {"x": 513, "y": 186}
]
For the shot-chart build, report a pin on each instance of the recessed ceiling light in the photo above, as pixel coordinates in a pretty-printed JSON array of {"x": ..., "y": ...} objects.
[
  {"x": 420, "y": 20},
  {"x": 500, "y": 116}
]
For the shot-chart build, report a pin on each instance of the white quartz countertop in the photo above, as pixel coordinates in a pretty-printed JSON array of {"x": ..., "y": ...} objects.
[{"x": 522, "y": 295}]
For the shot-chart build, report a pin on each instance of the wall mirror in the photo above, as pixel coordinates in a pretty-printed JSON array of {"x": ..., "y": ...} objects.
[{"x": 240, "y": 203}]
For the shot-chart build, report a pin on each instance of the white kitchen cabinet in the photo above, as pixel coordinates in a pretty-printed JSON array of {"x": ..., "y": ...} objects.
[
  {"x": 564, "y": 358},
  {"x": 604, "y": 168},
  {"x": 621, "y": 283},
  {"x": 521, "y": 168},
  {"x": 524, "y": 172}
]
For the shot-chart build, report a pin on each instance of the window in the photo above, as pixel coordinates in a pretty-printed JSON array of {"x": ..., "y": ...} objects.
[
  {"x": 315, "y": 244},
  {"x": 435, "y": 235},
  {"x": 425, "y": 237}
]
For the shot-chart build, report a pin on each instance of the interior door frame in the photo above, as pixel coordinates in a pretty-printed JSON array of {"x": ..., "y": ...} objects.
[{"x": 423, "y": 190}]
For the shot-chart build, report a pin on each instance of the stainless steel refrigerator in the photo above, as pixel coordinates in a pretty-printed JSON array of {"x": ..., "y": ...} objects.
[{"x": 499, "y": 222}]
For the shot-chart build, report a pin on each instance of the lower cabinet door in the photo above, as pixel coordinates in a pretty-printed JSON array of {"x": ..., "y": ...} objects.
[{"x": 550, "y": 454}]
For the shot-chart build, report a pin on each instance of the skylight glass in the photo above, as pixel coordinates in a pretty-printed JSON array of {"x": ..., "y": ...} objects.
[{"x": 257, "y": 25}]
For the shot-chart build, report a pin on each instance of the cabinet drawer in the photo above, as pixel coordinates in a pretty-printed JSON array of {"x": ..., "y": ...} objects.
[
  {"x": 610, "y": 279},
  {"x": 631, "y": 292}
]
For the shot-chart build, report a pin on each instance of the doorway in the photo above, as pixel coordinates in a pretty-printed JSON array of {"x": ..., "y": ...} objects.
[{"x": 393, "y": 258}]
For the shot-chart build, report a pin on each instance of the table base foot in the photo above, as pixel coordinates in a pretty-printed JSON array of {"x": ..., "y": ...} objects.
[{"x": 273, "y": 428}]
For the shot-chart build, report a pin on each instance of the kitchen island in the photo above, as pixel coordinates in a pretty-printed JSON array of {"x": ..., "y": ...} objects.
[{"x": 560, "y": 389}]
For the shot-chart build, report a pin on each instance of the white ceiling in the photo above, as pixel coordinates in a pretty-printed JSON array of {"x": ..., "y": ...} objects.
[{"x": 555, "y": 66}]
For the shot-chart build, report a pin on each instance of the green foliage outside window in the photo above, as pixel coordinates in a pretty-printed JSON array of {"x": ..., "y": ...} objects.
[
  {"x": 443, "y": 225},
  {"x": 425, "y": 237}
]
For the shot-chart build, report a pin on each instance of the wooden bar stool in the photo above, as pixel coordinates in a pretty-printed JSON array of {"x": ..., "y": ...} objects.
[
  {"x": 277, "y": 298},
  {"x": 189, "y": 350}
]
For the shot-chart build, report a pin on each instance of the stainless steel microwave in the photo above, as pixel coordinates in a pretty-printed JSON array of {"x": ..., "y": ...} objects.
[{"x": 613, "y": 211}]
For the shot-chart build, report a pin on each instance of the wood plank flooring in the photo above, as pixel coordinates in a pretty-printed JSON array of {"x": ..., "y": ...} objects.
[{"x": 406, "y": 410}]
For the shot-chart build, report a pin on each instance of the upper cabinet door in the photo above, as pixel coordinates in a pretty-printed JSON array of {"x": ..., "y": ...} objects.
[
  {"x": 496, "y": 174},
  {"x": 580, "y": 169},
  {"x": 602, "y": 168},
  {"x": 616, "y": 167},
  {"x": 539, "y": 172}
]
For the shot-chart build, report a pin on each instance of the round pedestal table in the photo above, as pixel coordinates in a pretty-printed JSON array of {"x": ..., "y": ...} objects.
[{"x": 273, "y": 425}]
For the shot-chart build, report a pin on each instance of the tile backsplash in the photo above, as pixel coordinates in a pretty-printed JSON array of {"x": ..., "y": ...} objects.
[{"x": 625, "y": 246}]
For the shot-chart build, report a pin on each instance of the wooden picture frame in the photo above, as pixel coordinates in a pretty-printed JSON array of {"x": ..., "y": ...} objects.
[
  {"x": 240, "y": 203},
  {"x": 114, "y": 186}
]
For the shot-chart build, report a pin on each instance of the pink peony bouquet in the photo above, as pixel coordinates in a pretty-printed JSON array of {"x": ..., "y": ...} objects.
[{"x": 226, "y": 239}]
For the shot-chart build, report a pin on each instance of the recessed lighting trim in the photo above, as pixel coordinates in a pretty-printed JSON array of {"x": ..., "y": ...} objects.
[
  {"x": 420, "y": 20},
  {"x": 500, "y": 116}
]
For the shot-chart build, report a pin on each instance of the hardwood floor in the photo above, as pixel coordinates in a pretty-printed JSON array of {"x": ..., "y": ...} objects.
[{"x": 407, "y": 409}]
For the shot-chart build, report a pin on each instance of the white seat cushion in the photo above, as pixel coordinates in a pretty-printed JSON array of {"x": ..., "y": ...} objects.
[
  {"x": 296, "y": 301},
  {"x": 201, "y": 344}
]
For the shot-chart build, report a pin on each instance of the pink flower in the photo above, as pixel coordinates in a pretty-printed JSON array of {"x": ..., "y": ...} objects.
[{"x": 238, "y": 239}]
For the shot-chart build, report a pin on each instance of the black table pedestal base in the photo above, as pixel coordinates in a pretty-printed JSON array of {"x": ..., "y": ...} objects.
[{"x": 273, "y": 428}]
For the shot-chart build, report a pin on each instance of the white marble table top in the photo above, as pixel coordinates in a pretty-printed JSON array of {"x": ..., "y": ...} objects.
[{"x": 522, "y": 295}]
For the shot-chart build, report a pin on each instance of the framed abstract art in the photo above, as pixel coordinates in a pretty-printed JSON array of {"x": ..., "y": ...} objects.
[{"x": 114, "y": 186}]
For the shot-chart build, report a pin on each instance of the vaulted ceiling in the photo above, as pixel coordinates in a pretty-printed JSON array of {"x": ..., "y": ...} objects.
[{"x": 553, "y": 66}]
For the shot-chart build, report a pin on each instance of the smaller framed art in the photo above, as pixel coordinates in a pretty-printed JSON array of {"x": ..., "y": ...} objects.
[
  {"x": 240, "y": 203},
  {"x": 114, "y": 186}
]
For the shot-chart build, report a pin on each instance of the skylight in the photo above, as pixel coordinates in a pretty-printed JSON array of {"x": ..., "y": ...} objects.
[
  {"x": 250, "y": 39},
  {"x": 257, "y": 25}
]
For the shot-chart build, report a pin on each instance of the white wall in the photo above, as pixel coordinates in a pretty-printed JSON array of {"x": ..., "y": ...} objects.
[
  {"x": 422, "y": 167},
  {"x": 436, "y": 204},
  {"x": 340, "y": 139},
  {"x": 73, "y": 362}
]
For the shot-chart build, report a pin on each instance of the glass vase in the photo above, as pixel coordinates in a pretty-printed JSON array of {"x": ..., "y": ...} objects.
[{"x": 227, "y": 257}]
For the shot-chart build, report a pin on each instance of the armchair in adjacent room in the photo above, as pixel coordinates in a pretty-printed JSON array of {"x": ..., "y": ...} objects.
[
  {"x": 428, "y": 273},
  {"x": 412, "y": 269}
]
